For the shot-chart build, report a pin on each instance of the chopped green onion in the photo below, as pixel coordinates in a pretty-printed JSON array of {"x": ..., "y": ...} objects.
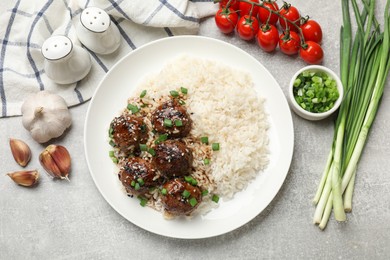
[
  {"x": 174, "y": 93},
  {"x": 112, "y": 143},
  {"x": 110, "y": 132},
  {"x": 206, "y": 161},
  {"x": 164, "y": 191},
  {"x": 143, "y": 128},
  {"x": 182, "y": 102},
  {"x": 167, "y": 122},
  {"x": 133, "y": 108},
  {"x": 132, "y": 184},
  {"x": 184, "y": 90},
  {"x": 140, "y": 181},
  {"x": 111, "y": 153},
  {"x": 143, "y": 147},
  {"x": 143, "y": 201},
  {"x": 205, "y": 192},
  {"x": 186, "y": 194},
  {"x": 215, "y": 146},
  {"x": 215, "y": 198},
  {"x": 161, "y": 138},
  {"x": 152, "y": 151},
  {"x": 178, "y": 122},
  {"x": 193, "y": 202},
  {"x": 137, "y": 186},
  {"x": 204, "y": 140},
  {"x": 143, "y": 93},
  {"x": 317, "y": 93},
  {"x": 191, "y": 180},
  {"x": 114, "y": 159}
]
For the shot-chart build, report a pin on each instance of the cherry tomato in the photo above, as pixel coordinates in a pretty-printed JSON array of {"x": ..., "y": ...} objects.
[
  {"x": 264, "y": 13},
  {"x": 268, "y": 37},
  {"x": 233, "y": 4},
  {"x": 311, "y": 31},
  {"x": 291, "y": 13},
  {"x": 289, "y": 43},
  {"x": 247, "y": 27},
  {"x": 311, "y": 52},
  {"x": 226, "y": 20},
  {"x": 245, "y": 8}
]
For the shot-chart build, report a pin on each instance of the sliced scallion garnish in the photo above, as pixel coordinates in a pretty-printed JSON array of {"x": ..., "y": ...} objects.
[
  {"x": 114, "y": 159},
  {"x": 167, "y": 122},
  {"x": 184, "y": 90},
  {"x": 204, "y": 140},
  {"x": 191, "y": 180},
  {"x": 152, "y": 151},
  {"x": 140, "y": 181},
  {"x": 174, "y": 93},
  {"x": 193, "y": 202},
  {"x": 178, "y": 122},
  {"x": 142, "y": 201},
  {"x": 143, "y": 147},
  {"x": 161, "y": 138},
  {"x": 133, "y": 108},
  {"x": 143, "y": 93},
  {"x": 186, "y": 194}
]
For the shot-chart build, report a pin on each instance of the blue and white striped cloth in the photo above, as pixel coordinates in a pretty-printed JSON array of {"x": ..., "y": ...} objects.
[{"x": 26, "y": 24}]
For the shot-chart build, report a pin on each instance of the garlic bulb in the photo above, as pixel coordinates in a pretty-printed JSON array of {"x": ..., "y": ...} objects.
[{"x": 46, "y": 116}]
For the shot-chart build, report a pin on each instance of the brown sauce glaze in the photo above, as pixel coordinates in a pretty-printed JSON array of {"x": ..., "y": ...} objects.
[
  {"x": 172, "y": 111},
  {"x": 173, "y": 158},
  {"x": 174, "y": 202},
  {"x": 128, "y": 131}
]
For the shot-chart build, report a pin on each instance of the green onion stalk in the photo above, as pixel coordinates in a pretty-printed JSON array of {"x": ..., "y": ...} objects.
[{"x": 364, "y": 67}]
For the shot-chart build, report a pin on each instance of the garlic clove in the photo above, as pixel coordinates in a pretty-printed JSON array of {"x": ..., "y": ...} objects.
[
  {"x": 25, "y": 178},
  {"x": 55, "y": 159},
  {"x": 20, "y": 151}
]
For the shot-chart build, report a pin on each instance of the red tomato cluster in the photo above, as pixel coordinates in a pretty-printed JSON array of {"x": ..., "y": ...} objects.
[{"x": 260, "y": 21}]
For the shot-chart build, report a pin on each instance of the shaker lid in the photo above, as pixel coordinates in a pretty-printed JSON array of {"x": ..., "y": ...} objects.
[
  {"x": 56, "y": 47},
  {"x": 95, "y": 19}
]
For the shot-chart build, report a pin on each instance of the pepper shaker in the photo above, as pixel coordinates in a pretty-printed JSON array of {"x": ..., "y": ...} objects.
[
  {"x": 96, "y": 31},
  {"x": 65, "y": 63}
]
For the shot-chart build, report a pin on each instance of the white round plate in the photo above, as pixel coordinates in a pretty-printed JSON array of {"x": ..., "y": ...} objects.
[{"x": 110, "y": 98}]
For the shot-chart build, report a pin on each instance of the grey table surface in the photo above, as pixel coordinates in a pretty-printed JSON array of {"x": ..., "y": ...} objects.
[{"x": 61, "y": 220}]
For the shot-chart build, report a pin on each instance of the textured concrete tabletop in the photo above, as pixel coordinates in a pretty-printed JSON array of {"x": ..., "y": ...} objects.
[{"x": 61, "y": 220}]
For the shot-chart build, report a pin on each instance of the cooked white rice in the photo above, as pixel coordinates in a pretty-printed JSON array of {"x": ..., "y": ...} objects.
[{"x": 225, "y": 107}]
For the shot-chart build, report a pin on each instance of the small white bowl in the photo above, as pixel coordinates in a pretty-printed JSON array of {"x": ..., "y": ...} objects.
[{"x": 311, "y": 115}]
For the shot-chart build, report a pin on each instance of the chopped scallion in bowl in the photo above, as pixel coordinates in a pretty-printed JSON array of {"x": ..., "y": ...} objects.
[{"x": 315, "y": 92}]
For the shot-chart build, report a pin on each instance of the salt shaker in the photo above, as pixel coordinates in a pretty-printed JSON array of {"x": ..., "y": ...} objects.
[
  {"x": 96, "y": 31},
  {"x": 65, "y": 63}
]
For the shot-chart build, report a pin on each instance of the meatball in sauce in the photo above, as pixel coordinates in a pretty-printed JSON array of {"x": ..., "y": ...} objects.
[
  {"x": 181, "y": 198},
  {"x": 173, "y": 158},
  {"x": 171, "y": 118},
  {"x": 128, "y": 131},
  {"x": 137, "y": 175}
]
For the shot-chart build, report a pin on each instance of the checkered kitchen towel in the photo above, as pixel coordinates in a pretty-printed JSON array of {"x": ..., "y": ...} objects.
[{"x": 26, "y": 24}]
